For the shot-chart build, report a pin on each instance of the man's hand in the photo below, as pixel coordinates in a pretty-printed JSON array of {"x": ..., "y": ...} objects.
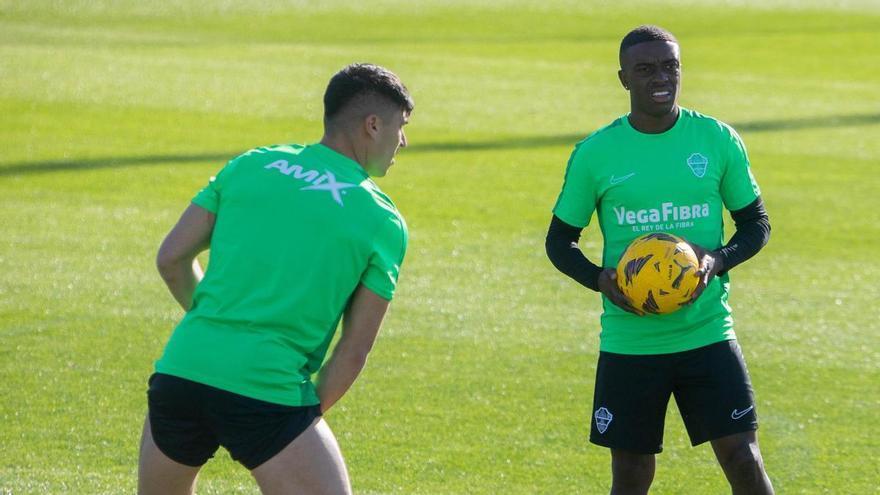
[
  {"x": 710, "y": 264},
  {"x": 609, "y": 288}
]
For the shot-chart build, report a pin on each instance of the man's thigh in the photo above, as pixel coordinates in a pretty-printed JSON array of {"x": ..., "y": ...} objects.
[
  {"x": 176, "y": 420},
  {"x": 312, "y": 463},
  {"x": 714, "y": 392},
  {"x": 160, "y": 475},
  {"x": 629, "y": 402}
]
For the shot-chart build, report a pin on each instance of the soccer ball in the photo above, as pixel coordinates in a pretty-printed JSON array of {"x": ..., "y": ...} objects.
[{"x": 658, "y": 272}]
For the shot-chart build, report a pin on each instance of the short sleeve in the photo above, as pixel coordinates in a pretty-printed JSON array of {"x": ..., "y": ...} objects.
[
  {"x": 738, "y": 186},
  {"x": 209, "y": 197},
  {"x": 389, "y": 248},
  {"x": 577, "y": 200}
]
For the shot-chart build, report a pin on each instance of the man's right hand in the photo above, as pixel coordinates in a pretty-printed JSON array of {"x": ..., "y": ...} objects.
[{"x": 609, "y": 288}]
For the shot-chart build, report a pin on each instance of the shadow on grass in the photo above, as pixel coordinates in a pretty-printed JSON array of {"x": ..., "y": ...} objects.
[
  {"x": 26, "y": 168},
  {"x": 808, "y": 123}
]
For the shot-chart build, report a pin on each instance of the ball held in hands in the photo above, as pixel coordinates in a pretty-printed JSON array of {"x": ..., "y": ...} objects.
[{"x": 659, "y": 273}]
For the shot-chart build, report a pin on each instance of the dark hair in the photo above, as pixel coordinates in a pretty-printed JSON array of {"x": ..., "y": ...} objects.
[
  {"x": 644, "y": 34},
  {"x": 362, "y": 80}
]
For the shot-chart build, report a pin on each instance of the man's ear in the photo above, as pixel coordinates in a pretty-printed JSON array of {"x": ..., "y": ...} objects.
[
  {"x": 372, "y": 124},
  {"x": 622, "y": 77}
]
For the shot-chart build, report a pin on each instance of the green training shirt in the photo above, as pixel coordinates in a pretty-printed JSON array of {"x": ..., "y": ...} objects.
[
  {"x": 297, "y": 229},
  {"x": 678, "y": 182}
]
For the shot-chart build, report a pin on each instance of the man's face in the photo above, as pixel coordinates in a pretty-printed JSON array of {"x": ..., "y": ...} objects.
[
  {"x": 388, "y": 138},
  {"x": 651, "y": 71}
]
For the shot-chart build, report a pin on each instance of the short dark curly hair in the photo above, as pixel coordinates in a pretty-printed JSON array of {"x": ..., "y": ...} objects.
[
  {"x": 361, "y": 80},
  {"x": 644, "y": 34}
]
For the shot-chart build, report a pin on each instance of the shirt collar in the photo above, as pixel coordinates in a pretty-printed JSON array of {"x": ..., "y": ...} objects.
[
  {"x": 338, "y": 159},
  {"x": 668, "y": 132}
]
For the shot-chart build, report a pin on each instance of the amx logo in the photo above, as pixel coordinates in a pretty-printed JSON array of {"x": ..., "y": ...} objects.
[
  {"x": 318, "y": 181},
  {"x": 667, "y": 212}
]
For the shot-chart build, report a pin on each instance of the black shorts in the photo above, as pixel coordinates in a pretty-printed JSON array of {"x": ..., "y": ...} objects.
[
  {"x": 190, "y": 421},
  {"x": 711, "y": 387}
]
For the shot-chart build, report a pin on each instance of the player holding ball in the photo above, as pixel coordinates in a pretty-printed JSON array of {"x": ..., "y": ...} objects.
[{"x": 664, "y": 169}]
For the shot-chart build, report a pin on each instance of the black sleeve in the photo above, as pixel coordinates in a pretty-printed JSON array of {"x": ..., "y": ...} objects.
[
  {"x": 752, "y": 234},
  {"x": 563, "y": 251}
]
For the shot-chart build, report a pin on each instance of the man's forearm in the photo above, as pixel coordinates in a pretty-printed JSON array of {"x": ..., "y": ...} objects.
[
  {"x": 752, "y": 234},
  {"x": 562, "y": 249},
  {"x": 360, "y": 325},
  {"x": 182, "y": 279},
  {"x": 338, "y": 374}
]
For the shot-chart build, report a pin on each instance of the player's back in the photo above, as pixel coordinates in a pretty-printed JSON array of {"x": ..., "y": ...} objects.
[{"x": 297, "y": 229}]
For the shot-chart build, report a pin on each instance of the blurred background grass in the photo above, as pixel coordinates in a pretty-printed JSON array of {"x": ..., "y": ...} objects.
[{"x": 115, "y": 113}]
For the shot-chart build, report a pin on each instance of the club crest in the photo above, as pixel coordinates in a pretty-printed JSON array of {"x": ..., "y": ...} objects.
[
  {"x": 698, "y": 164},
  {"x": 603, "y": 419}
]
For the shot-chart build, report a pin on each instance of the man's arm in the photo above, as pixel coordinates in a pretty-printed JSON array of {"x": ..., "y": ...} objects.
[
  {"x": 562, "y": 249},
  {"x": 752, "y": 234},
  {"x": 360, "y": 325},
  {"x": 177, "y": 261}
]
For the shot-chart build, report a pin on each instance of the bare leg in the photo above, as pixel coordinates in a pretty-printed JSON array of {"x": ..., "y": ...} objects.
[
  {"x": 159, "y": 475},
  {"x": 631, "y": 473},
  {"x": 741, "y": 460},
  {"x": 312, "y": 464}
]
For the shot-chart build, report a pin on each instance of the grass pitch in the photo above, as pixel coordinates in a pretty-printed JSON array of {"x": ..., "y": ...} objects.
[{"x": 115, "y": 113}]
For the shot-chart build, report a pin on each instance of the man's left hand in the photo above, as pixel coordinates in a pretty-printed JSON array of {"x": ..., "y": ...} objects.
[{"x": 710, "y": 264}]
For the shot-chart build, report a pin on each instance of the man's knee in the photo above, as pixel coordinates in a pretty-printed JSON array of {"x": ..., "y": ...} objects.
[{"x": 744, "y": 462}]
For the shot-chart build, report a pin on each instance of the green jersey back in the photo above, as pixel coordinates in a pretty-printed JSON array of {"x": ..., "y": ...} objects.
[
  {"x": 297, "y": 229},
  {"x": 678, "y": 182}
]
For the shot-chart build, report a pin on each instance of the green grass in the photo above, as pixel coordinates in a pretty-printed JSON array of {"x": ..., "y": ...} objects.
[{"x": 115, "y": 113}]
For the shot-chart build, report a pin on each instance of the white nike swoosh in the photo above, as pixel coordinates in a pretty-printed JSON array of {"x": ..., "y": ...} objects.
[
  {"x": 738, "y": 414},
  {"x": 618, "y": 180}
]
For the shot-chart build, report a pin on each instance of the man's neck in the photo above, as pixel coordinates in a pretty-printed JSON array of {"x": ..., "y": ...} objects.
[
  {"x": 341, "y": 144},
  {"x": 650, "y": 124}
]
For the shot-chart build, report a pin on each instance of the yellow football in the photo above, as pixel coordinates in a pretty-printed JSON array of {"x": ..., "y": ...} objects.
[{"x": 658, "y": 272}]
